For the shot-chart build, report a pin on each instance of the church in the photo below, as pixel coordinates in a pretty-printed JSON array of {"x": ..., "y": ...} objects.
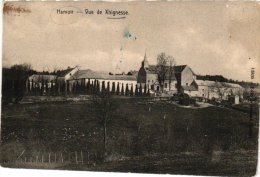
[{"x": 177, "y": 80}]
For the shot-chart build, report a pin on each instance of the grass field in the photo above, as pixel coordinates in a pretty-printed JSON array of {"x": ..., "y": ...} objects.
[{"x": 144, "y": 137}]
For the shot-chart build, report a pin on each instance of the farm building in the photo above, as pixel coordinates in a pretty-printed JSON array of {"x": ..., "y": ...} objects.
[
  {"x": 219, "y": 90},
  {"x": 119, "y": 80}
]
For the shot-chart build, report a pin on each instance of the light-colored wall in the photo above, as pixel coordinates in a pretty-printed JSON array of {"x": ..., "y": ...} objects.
[
  {"x": 121, "y": 82},
  {"x": 187, "y": 76},
  {"x": 173, "y": 85},
  {"x": 151, "y": 79},
  {"x": 71, "y": 73},
  {"x": 203, "y": 91}
]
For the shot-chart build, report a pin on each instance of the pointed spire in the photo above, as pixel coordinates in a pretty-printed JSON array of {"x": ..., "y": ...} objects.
[
  {"x": 145, "y": 55},
  {"x": 145, "y": 61}
]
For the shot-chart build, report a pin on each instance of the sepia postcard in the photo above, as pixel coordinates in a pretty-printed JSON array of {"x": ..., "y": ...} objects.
[{"x": 140, "y": 87}]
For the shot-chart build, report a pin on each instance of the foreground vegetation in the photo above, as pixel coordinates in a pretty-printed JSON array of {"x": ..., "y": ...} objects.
[{"x": 150, "y": 137}]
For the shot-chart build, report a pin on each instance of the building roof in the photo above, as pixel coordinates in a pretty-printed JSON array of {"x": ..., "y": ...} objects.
[
  {"x": 64, "y": 72},
  {"x": 217, "y": 84},
  {"x": 90, "y": 74},
  {"x": 179, "y": 68},
  {"x": 151, "y": 69},
  {"x": 42, "y": 77},
  {"x": 206, "y": 83}
]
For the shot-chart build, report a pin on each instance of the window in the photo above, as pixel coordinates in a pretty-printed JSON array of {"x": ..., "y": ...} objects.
[
  {"x": 148, "y": 81},
  {"x": 165, "y": 85},
  {"x": 186, "y": 84}
]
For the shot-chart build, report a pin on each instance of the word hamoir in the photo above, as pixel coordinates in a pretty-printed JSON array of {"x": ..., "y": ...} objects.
[{"x": 91, "y": 12}]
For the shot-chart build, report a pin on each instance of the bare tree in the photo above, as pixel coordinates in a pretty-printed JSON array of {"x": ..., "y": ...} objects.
[
  {"x": 104, "y": 106},
  {"x": 165, "y": 68},
  {"x": 172, "y": 63},
  {"x": 161, "y": 68}
]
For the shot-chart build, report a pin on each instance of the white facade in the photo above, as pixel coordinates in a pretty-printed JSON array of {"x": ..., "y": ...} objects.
[{"x": 120, "y": 82}]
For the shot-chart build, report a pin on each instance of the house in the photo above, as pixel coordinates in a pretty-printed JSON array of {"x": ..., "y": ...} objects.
[
  {"x": 218, "y": 90},
  {"x": 182, "y": 75},
  {"x": 66, "y": 74}
]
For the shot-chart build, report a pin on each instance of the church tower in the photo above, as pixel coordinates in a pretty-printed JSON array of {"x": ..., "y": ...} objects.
[{"x": 145, "y": 63}]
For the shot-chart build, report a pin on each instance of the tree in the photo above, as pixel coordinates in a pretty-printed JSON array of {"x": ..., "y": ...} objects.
[
  {"x": 171, "y": 69},
  {"x": 113, "y": 88},
  {"x": 98, "y": 87},
  {"x": 88, "y": 87},
  {"x": 164, "y": 68},
  {"x": 122, "y": 90},
  {"x": 140, "y": 90},
  {"x": 14, "y": 82},
  {"x": 104, "y": 107},
  {"x": 57, "y": 86},
  {"x": 42, "y": 87},
  {"x": 126, "y": 90},
  {"x": 161, "y": 68},
  {"x": 145, "y": 89},
  {"x": 136, "y": 90},
  {"x": 52, "y": 88},
  {"x": 95, "y": 86},
  {"x": 103, "y": 87},
  {"x": 108, "y": 87},
  {"x": 117, "y": 89},
  {"x": 91, "y": 88},
  {"x": 132, "y": 90}
]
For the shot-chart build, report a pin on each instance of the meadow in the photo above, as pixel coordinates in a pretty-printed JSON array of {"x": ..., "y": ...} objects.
[{"x": 145, "y": 137}]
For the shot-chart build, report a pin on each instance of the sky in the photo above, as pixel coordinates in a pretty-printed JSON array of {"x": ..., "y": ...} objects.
[{"x": 217, "y": 38}]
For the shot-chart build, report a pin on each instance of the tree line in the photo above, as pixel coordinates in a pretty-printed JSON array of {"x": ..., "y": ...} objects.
[{"x": 57, "y": 88}]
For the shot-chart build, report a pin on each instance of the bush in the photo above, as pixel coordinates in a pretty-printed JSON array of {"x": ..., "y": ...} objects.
[{"x": 184, "y": 99}]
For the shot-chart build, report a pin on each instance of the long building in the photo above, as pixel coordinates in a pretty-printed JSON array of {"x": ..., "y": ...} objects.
[{"x": 181, "y": 79}]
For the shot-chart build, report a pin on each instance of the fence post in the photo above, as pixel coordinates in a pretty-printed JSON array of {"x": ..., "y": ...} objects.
[
  {"x": 49, "y": 158},
  {"x": 88, "y": 158},
  {"x": 61, "y": 158},
  {"x": 81, "y": 157},
  {"x": 76, "y": 157},
  {"x": 55, "y": 158},
  {"x": 42, "y": 159}
]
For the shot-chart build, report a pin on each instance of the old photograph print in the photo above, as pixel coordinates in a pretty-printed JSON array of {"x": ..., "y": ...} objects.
[{"x": 140, "y": 87}]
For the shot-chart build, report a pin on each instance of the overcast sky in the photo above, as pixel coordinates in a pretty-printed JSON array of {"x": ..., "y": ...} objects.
[{"x": 210, "y": 37}]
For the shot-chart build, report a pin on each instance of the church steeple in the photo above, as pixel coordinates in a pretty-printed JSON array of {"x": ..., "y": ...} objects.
[{"x": 145, "y": 63}]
